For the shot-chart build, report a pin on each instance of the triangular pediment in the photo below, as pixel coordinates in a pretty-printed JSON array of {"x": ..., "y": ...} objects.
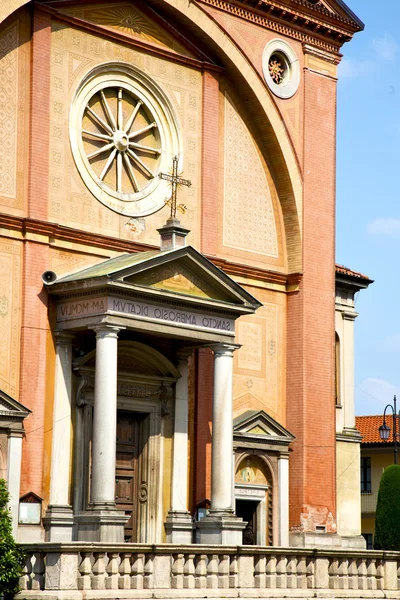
[
  {"x": 180, "y": 273},
  {"x": 133, "y": 20},
  {"x": 258, "y": 423},
  {"x": 335, "y": 8},
  {"x": 11, "y": 408}
]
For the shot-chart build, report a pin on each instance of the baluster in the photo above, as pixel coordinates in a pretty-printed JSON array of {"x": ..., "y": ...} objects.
[
  {"x": 291, "y": 581},
  {"x": 137, "y": 572},
  {"x": 301, "y": 573},
  {"x": 333, "y": 572},
  {"x": 189, "y": 572},
  {"x": 124, "y": 579},
  {"x": 201, "y": 572},
  {"x": 353, "y": 574},
  {"x": 38, "y": 571},
  {"x": 85, "y": 571},
  {"x": 112, "y": 571},
  {"x": 310, "y": 573},
  {"x": 148, "y": 572},
  {"x": 371, "y": 574},
  {"x": 99, "y": 571},
  {"x": 270, "y": 572},
  {"x": 281, "y": 572},
  {"x": 233, "y": 573},
  {"x": 362, "y": 574},
  {"x": 259, "y": 571},
  {"x": 380, "y": 575},
  {"x": 398, "y": 575},
  {"x": 177, "y": 571},
  {"x": 25, "y": 579},
  {"x": 223, "y": 571},
  {"x": 343, "y": 574},
  {"x": 212, "y": 572}
]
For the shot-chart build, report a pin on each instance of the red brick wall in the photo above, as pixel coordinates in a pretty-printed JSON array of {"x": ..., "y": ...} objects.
[
  {"x": 35, "y": 328},
  {"x": 210, "y": 164},
  {"x": 202, "y": 426},
  {"x": 310, "y": 358}
]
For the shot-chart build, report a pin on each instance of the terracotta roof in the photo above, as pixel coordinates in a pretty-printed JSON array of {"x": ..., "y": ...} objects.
[
  {"x": 345, "y": 271},
  {"x": 368, "y": 426}
]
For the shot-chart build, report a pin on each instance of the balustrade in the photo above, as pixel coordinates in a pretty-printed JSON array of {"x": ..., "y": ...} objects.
[{"x": 223, "y": 571}]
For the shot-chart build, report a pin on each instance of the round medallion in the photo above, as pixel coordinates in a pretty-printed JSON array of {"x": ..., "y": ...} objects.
[
  {"x": 123, "y": 133},
  {"x": 281, "y": 68}
]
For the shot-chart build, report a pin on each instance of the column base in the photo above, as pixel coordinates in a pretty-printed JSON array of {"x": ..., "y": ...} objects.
[
  {"x": 58, "y": 523},
  {"x": 101, "y": 524},
  {"x": 220, "y": 527},
  {"x": 300, "y": 539},
  {"x": 179, "y": 527}
]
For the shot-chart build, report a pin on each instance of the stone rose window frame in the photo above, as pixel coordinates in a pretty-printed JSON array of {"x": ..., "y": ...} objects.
[{"x": 281, "y": 68}]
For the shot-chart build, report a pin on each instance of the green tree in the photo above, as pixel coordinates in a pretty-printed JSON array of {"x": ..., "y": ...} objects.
[
  {"x": 11, "y": 554},
  {"x": 387, "y": 522}
]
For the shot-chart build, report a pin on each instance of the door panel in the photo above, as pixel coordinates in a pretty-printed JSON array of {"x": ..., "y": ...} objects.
[{"x": 126, "y": 469}]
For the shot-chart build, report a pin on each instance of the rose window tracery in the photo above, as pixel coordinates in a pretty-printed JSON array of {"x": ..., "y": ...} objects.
[
  {"x": 121, "y": 140},
  {"x": 124, "y": 132},
  {"x": 277, "y": 68}
]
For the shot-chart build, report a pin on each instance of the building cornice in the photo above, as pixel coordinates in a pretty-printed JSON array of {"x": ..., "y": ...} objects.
[
  {"x": 298, "y": 19},
  {"x": 27, "y": 229}
]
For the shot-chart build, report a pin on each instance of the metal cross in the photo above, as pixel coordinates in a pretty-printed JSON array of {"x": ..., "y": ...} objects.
[{"x": 175, "y": 181}]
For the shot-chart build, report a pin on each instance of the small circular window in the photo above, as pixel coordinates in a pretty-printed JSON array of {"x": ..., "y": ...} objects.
[
  {"x": 123, "y": 133},
  {"x": 281, "y": 68}
]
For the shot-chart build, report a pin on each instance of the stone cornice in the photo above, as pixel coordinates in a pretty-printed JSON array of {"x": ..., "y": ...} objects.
[
  {"x": 299, "y": 20},
  {"x": 43, "y": 232}
]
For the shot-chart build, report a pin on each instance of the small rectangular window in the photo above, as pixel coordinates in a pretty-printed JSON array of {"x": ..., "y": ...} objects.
[{"x": 366, "y": 475}]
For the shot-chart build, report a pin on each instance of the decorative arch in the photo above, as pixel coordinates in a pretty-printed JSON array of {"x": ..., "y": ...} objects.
[
  {"x": 135, "y": 358},
  {"x": 271, "y": 497},
  {"x": 287, "y": 171}
]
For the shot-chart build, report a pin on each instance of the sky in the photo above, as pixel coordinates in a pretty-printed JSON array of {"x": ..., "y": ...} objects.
[{"x": 368, "y": 196}]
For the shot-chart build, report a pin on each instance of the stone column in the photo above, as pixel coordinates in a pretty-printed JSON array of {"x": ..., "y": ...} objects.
[
  {"x": 103, "y": 523},
  {"x": 14, "y": 474},
  {"x": 104, "y": 443},
  {"x": 179, "y": 525},
  {"x": 222, "y": 526},
  {"x": 283, "y": 500},
  {"x": 58, "y": 521}
]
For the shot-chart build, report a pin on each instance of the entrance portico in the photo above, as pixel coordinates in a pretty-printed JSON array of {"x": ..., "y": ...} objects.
[{"x": 179, "y": 297}]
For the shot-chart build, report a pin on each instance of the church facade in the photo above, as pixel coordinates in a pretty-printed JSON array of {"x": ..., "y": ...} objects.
[{"x": 167, "y": 290}]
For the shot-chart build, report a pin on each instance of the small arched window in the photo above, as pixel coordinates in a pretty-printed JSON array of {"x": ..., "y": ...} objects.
[{"x": 338, "y": 400}]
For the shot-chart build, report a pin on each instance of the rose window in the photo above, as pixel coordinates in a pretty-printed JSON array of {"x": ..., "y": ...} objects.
[
  {"x": 124, "y": 132},
  {"x": 121, "y": 140}
]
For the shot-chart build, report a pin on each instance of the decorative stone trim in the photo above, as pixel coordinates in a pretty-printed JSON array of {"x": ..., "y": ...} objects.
[
  {"x": 281, "y": 68},
  {"x": 81, "y": 571}
]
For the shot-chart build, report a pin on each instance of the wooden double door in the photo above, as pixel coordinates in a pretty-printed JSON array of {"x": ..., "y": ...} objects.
[{"x": 127, "y": 468}]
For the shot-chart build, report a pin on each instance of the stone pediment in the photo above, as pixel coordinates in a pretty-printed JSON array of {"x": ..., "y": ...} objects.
[
  {"x": 11, "y": 410},
  {"x": 182, "y": 273},
  {"x": 132, "y": 20},
  {"x": 254, "y": 424}
]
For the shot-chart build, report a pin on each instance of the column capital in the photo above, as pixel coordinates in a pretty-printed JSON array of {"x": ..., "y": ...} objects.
[
  {"x": 225, "y": 349},
  {"x": 107, "y": 331},
  {"x": 63, "y": 338}
]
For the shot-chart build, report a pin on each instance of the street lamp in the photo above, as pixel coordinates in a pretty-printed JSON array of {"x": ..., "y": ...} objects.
[{"x": 384, "y": 430}]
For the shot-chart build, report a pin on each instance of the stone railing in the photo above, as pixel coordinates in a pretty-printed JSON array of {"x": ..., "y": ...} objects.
[{"x": 88, "y": 571}]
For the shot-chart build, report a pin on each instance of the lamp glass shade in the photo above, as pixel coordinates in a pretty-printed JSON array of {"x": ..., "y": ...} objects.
[{"x": 384, "y": 432}]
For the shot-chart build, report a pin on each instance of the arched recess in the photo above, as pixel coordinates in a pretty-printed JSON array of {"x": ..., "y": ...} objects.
[
  {"x": 261, "y": 471},
  {"x": 135, "y": 358},
  {"x": 273, "y": 138}
]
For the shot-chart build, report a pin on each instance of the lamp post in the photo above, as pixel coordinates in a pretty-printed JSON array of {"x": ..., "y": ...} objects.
[{"x": 384, "y": 430}]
